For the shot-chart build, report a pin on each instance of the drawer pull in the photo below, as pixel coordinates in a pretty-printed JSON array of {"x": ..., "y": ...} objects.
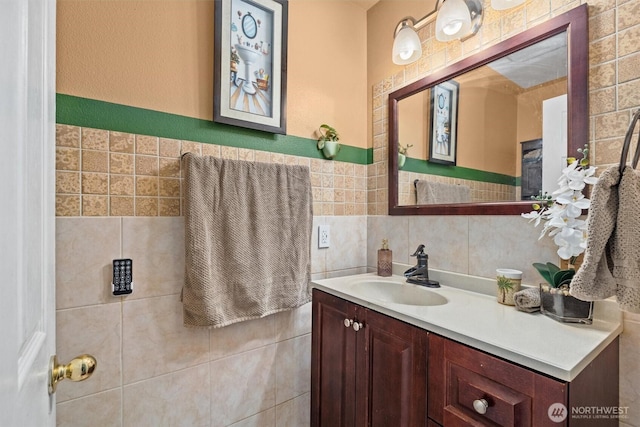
[
  {"x": 481, "y": 406},
  {"x": 348, "y": 323},
  {"x": 357, "y": 326}
]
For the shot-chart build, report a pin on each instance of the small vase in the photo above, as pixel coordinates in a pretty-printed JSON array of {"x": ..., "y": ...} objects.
[
  {"x": 558, "y": 304},
  {"x": 401, "y": 159},
  {"x": 330, "y": 149}
]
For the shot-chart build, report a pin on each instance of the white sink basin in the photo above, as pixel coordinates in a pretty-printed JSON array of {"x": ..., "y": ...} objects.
[{"x": 397, "y": 293}]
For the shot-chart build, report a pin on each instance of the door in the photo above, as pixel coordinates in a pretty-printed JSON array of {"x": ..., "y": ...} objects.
[
  {"x": 554, "y": 141},
  {"x": 27, "y": 182}
]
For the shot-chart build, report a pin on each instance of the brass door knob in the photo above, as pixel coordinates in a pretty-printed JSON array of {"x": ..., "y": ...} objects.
[{"x": 79, "y": 369}]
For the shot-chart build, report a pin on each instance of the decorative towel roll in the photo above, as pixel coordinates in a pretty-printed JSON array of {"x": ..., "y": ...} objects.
[{"x": 527, "y": 300}]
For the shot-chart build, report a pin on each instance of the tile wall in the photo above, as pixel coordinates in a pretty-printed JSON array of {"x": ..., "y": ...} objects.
[
  {"x": 119, "y": 196},
  {"x": 153, "y": 371},
  {"x": 479, "y": 191},
  {"x": 107, "y": 173}
]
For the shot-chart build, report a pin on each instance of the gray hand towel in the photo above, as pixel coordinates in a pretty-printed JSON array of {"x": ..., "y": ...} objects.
[
  {"x": 433, "y": 193},
  {"x": 527, "y": 300},
  {"x": 248, "y": 240}
]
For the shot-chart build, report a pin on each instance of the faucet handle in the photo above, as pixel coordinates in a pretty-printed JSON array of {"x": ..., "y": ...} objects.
[{"x": 419, "y": 251}]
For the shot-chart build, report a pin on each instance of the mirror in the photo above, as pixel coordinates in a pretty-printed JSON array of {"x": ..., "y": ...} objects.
[{"x": 476, "y": 128}]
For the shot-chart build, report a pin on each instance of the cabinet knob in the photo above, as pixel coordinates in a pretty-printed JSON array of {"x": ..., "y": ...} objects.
[
  {"x": 481, "y": 406},
  {"x": 348, "y": 322},
  {"x": 357, "y": 326}
]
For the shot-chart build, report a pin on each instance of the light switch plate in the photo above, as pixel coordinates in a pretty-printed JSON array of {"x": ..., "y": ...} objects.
[{"x": 324, "y": 236}]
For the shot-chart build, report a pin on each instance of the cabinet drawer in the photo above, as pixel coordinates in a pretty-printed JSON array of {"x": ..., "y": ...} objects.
[
  {"x": 514, "y": 396},
  {"x": 505, "y": 406}
]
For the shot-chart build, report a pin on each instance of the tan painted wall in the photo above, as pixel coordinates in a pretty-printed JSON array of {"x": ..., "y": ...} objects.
[
  {"x": 382, "y": 20},
  {"x": 159, "y": 55},
  {"x": 530, "y": 108},
  {"x": 485, "y": 98}
]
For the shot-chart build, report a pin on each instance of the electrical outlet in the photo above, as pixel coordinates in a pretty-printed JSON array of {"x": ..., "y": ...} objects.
[{"x": 323, "y": 236}]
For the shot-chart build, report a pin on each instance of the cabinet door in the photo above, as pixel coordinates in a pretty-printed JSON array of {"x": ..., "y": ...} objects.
[
  {"x": 332, "y": 362},
  {"x": 391, "y": 373}
]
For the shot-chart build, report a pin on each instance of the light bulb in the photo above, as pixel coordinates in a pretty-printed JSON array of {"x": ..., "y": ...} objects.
[
  {"x": 406, "y": 46},
  {"x": 405, "y": 54},
  {"x": 453, "y": 20},
  {"x": 452, "y": 27}
]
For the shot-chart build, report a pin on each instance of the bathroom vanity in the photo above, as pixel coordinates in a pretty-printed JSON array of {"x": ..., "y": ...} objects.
[{"x": 387, "y": 353}]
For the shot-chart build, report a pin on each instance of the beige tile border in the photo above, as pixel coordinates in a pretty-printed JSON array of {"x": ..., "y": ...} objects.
[{"x": 104, "y": 173}]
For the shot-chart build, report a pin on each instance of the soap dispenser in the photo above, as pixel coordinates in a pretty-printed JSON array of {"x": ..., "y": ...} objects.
[{"x": 385, "y": 259}]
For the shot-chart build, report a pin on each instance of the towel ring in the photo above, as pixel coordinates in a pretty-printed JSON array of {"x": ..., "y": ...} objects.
[{"x": 627, "y": 144}]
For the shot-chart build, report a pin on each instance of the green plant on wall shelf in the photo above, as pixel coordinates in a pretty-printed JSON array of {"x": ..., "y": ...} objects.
[
  {"x": 403, "y": 149},
  {"x": 402, "y": 154},
  {"x": 328, "y": 141}
]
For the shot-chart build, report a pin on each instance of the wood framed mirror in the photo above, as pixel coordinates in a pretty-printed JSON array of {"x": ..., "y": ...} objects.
[{"x": 565, "y": 37}]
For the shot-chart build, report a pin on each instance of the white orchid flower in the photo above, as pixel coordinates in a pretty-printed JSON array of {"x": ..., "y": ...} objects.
[
  {"x": 575, "y": 202},
  {"x": 561, "y": 215}
]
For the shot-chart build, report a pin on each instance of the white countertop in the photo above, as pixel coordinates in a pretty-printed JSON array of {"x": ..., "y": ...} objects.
[{"x": 476, "y": 319}]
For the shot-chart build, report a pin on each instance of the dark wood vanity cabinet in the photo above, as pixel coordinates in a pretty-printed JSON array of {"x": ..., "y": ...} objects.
[
  {"x": 372, "y": 375},
  {"x": 381, "y": 372},
  {"x": 460, "y": 376}
]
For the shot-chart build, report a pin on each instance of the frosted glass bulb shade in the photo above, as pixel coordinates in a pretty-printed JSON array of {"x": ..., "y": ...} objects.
[
  {"x": 406, "y": 46},
  {"x": 505, "y": 4},
  {"x": 453, "y": 20}
]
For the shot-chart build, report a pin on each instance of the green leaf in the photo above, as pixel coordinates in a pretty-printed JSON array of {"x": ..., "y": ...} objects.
[
  {"x": 543, "y": 269},
  {"x": 562, "y": 277},
  {"x": 553, "y": 269}
]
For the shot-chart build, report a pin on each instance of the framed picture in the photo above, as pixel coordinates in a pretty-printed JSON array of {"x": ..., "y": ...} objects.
[
  {"x": 443, "y": 125},
  {"x": 250, "y": 64}
]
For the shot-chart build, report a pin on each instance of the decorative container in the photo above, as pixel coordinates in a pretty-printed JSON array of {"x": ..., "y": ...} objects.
[
  {"x": 508, "y": 282},
  {"x": 558, "y": 304},
  {"x": 401, "y": 160},
  {"x": 385, "y": 259},
  {"x": 330, "y": 149}
]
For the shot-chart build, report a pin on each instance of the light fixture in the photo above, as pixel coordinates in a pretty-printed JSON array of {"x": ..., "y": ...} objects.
[
  {"x": 505, "y": 4},
  {"x": 406, "y": 45},
  {"x": 455, "y": 19}
]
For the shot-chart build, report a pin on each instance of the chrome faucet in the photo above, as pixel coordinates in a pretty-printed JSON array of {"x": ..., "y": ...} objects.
[{"x": 419, "y": 274}]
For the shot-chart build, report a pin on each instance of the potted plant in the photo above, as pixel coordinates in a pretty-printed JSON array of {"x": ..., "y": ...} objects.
[
  {"x": 561, "y": 213},
  {"x": 402, "y": 154},
  {"x": 328, "y": 141}
]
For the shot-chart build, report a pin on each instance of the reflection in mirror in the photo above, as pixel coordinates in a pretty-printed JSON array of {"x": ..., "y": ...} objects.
[
  {"x": 502, "y": 107},
  {"x": 513, "y": 116}
]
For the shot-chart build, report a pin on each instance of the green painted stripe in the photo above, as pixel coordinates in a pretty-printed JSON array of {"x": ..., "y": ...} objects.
[
  {"x": 84, "y": 112},
  {"x": 422, "y": 166}
]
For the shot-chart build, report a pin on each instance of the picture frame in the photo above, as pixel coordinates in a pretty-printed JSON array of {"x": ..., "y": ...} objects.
[
  {"x": 250, "y": 64},
  {"x": 443, "y": 123}
]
